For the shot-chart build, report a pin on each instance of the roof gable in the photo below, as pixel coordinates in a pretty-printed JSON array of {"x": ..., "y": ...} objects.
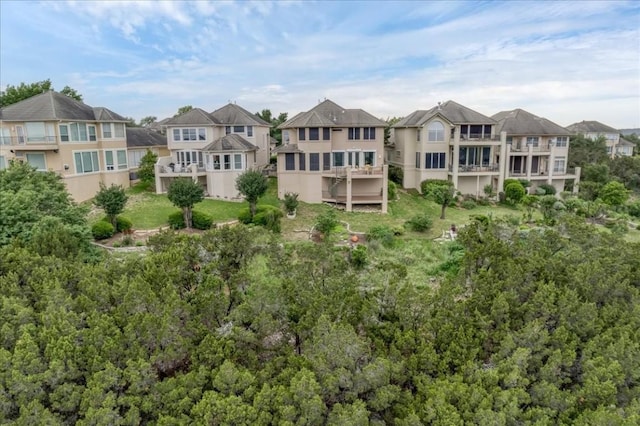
[
  {"x": 451, "y": 111},
  {"x": 230, "y": 142},
  {"x": 232, "y": 114},
  {"x": 49, "y": 106},
  {"x": 591, "y": 127},
  {"x": 193, "y": 117},
  {"x": 329, "y": 114},
  {"x": 521, "y": 122}
]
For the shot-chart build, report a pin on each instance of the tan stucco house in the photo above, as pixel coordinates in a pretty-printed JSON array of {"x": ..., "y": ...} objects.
[
  {"x": 83, "y": 144},
  {"x": 594, "y": 130},
  {"x": 333, "y": 154},
  {"x": 213, "y": 149}
]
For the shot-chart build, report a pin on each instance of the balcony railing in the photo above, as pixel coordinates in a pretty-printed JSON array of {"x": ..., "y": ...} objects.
[
  {"x": 543, "y": 147},
  {"x": 25, "y": 140},
  {"x": 341, "y": 172},
  {"x": 476, "y": 168},
  {"x": 479, "y": 136}
]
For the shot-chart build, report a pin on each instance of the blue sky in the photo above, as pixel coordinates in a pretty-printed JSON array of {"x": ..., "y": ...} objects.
[{"x": 566, "y": 61}]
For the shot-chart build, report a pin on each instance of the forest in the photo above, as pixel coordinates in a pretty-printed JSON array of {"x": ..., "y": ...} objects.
[{"x": 237, "y": 326}]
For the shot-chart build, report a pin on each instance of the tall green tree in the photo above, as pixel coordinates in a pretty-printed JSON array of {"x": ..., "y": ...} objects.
[
  {"x": 439, "y": 191},
  {"x": 267, "y": 116},
  {"x": 147, "y": 121},
  {"x": 387, "y": 130},
  {"x": 583, "y": 151},
  {"x": 112, "y": 200},
  {"x": 182, "y": 110},
  {"x": 147, "y": 168},
  {"x": 185, "y": 193},
  {"x": 252, "y": 184},
  {"x": 13, "y": 94}
]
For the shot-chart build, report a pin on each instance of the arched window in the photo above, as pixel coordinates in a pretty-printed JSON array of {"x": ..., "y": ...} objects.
[{"x": 435, "y": 132}]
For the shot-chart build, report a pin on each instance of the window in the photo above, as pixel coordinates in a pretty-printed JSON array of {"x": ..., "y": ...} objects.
[
  {"x": 227, "y": 161},
  {"x": 37, "y": 161},
  {"x": 418, "y": 135},
  {"x": 136, "y": 155},
  {"x": 300, "y": 134},
  {"x": 186, "y": 158},
  {"x": 314, "y": 134},
  {"x": 314, "y": 161},
  {"x": 189, "y": 134},
  {"x": 202, "y": 134},
  {"x": 370, "y": 158},
  {"x": 86, "y": 161},
  {"x": 119, "y": 130},
  {"x": 509, "y": 139},
  {"x": 227, "y": 130},
  {"x": 326, "y": 161},
  {"x": 92, "y": 133},
  {"x": 418, "y": 160},
  {"x": 435, "y": 132},
  {"x": 354, "y": 133},
  {"x": 532, "y": 140},
  {"x": 285, "y": 136},
  {"x": 5, "y": 136},
  {"x": 289, "y": 161},
  {"x": 301, "y": 161},
  {"x": 238, "y": 129},
  {"x": 353, "y": 158},
  {"x": 106, "y": 131},
  {"x": 338, "y": 159},
  {"x": 250, "y": 131},
  {"x": 562, "y": 141},
  {"x": 326, "y": 133},
  {"x": 120, "y": 157},
  {"x": 237, "y": 161},
  {"x": 609, "y": 149},
  {"x": 369, "y": 133},
  {"x": 434, "y": 160},
  {"x": 559, "y": 165},
  {"x": 35, "y": 132},
  {"x": 216, "y": 162}
]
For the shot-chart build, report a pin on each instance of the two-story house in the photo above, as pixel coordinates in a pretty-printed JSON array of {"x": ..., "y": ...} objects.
[
  {"x": 213, "y": 149},
  {"x": 448, "y": 142},
  {"x": 594, "y": 130},
  {"x": 85, "y": 145},
  {"x": 332, "y": 154},
  {"x": 536, "y": 149}
]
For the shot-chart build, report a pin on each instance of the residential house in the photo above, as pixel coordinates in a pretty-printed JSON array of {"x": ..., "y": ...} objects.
[
  {"x": 594, "y": 130},
  {"x": 333, "y": 154},
  {"x": 85, "y": 145},
  {"x": 139, "y": 141},
  {"x": 536, "y": 149},
  {"x": 448, "y": 142},
  {"x": 213, "y": 149}
]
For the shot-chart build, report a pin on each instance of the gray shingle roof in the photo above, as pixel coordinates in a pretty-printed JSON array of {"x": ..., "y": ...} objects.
[
  {"x": 194, "y": 117},
  {"x": 286, "y": 149},
  {"x": 232, "y": 114},
  {"x": 521, "y": 122},
  {"x": 231, "y": 142},
  {"x": 624, "y": 142},
  {"x": 55, "y": 106},
  {"x": 591, "y": 127},
  {"x": 139, "y": 137},
  {"x": 330, "y": 114},
  {"x": 450, "y": 111}
]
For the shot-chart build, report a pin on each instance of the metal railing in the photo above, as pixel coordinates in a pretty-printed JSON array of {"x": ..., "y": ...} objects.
[
  {"x": 472, "y": 168},
  {"x": 26, "y": 140}
]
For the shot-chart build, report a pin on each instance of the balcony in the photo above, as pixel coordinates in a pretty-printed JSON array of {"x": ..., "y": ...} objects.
[
  {"x": 356, "y": 172},
  {"x": 543, "y": 147},
  {"x": 479, "y": 137},
  {"x": 486, "y": 168},
  {"x": 24, "y": 143}
]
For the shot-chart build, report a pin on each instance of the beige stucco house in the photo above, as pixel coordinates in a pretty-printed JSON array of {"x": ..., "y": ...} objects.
[
  {"x": 85, "y": 145},
  {"x": 537, "y": 149},
  {"x": 594, "y": 130},
  {"x": 213, "y": 149},
  {"x": 333, "y": 154}
]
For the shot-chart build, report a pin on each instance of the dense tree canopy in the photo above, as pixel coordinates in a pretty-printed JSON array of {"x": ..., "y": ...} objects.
[
  {"x": 185, "y": 193},
  {"x": 14, "y": 94},
  {"x": 252, "y": 184},
  {"x": 267, "y": 116}
]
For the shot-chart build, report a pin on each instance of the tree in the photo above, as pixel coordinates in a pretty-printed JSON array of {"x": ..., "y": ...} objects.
[
  {"x": 439, "y": 191},
  {"x": 184, "y": 193},
  {"x": 183, "y": 110},
  {"x": 252, "y": 184},
  {"x": 112, "y": 200},
  {"x": 14, "y": 94},
  {"x": 274, "y": 132},
  {"x": 584, "y": 151},
  {"x": 148, "y": 121},
  {"x": 387, "y": 130},
  {"x": 614, "y": 194},
  {"x": 514, "y": 192},
  {"x": 147, "y": 168}
]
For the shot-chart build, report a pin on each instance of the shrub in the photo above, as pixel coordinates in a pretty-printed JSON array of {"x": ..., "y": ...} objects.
[
  {"x": 381, "y": 233},
  {"x": 507, "y": 182},
  {"x": 514, "y": 192},
  {"x": 176, "y": 220},
  {"x": 102, "y": 230},
  {"x": 123, "y": 224},
  {"x": 358, "y": 256},
  {"x": 489, "y": 191},
  {"x": 469, "y": 204},
  {"x": 634, "y": 209},
  {"x": 127, "y": 240},
  {"x": 420, "y": 223},
  {"x": 201, "y": 220},
  {"x": 266, "y": 215},
  {"x": 326, "y": 222},
  {"x": 548, "y": 189},
  {"x": 290, "y": 202},
  {"x": 392, "y": 191},
  {"x": 396, "y": 174}
]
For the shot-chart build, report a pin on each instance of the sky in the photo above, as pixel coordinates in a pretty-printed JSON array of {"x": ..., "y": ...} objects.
[{"x": 565, "y": 61}]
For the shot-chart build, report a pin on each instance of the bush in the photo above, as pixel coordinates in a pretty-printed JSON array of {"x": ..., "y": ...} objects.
[
  {"x": 634, "y": 209},
  {"x": 514, "y": 192},
  {"x": 548, "y": 189},
  {"x": 420, "y": 223},
  {"x": 102, "y": 230},
  {"x": 392, "y": 191},
  {"x": 290, "y": 202},
  {"x": 507, "y": 182},
  {"x": 469, "y": 204},
  {"x": 358, "y": 257},
  {"x": 396, "y": 174},
  {"x": 326, "y": 222},
  {"x": 176, "y": 220},
  {"x": 266, "y": 215},
  {"x": 381, "y": 233},
  {"x": 201, "y": 220},
  {"x": 123, "y": 224}
]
